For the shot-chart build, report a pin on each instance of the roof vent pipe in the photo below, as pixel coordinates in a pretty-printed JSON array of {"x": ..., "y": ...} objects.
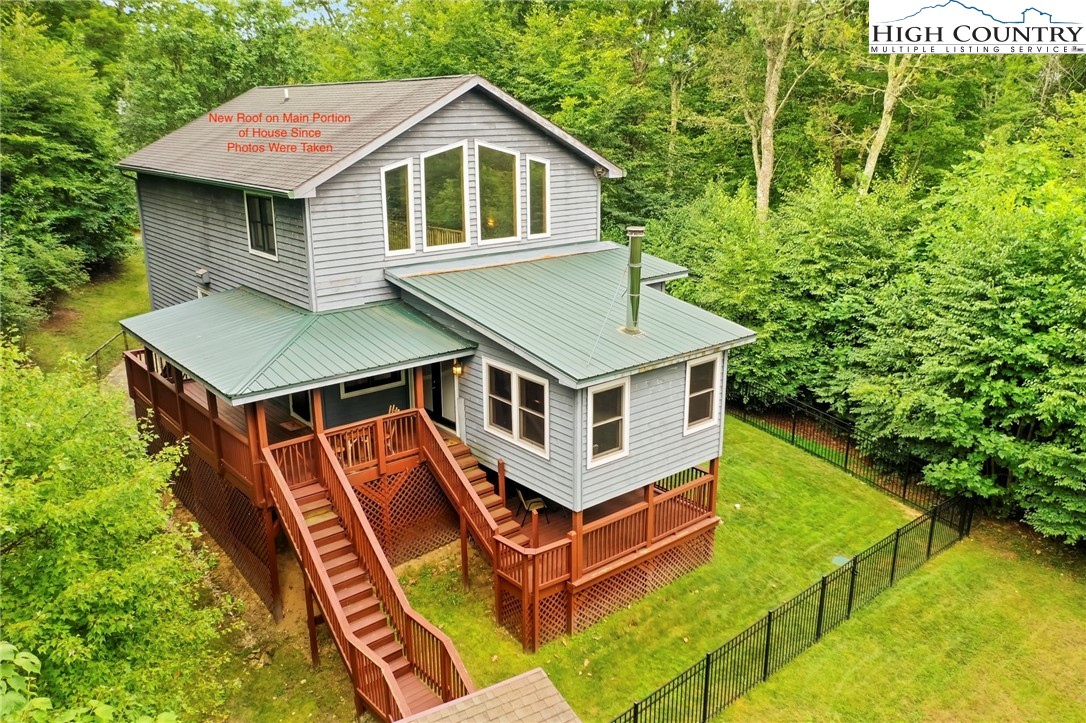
[
  {"x": 634, "y": 234},
  {"x": 286, "y": 94}
]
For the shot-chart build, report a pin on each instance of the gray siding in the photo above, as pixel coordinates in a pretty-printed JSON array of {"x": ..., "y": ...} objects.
[
  {"x": 551, "y": 477},
  {"x": 338, "y": 411},
  {"x": 346, "y": 215},
  {"x": 658, "y": 447},
  {"x": 189, "y": 226}
]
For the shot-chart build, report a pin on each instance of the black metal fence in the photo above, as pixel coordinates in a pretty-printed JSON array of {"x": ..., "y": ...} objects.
[
  {"x": 728, "y": 672},
  {"x": 108, "y": 355},
  {"x": 833, "y": 439}
]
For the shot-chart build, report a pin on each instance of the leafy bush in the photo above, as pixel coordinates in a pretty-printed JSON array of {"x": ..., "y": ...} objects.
[{"x": 95, "y": 578}]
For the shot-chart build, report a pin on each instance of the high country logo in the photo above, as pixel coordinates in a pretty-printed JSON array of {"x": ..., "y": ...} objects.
[{"x": 977, "y": 26}]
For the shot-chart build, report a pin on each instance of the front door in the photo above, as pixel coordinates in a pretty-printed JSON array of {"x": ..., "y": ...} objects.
[{"x": 439, "y": 393}]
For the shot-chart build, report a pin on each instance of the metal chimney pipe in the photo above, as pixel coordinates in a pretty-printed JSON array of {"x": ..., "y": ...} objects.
[{"x": 634, "y": 234}]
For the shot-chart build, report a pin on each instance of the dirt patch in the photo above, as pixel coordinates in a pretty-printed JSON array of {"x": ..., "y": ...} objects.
[{"x": 61, "y": 318}]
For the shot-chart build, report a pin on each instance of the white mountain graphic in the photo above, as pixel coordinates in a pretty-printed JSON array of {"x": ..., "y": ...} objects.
[{"x": 957, "y": 12}]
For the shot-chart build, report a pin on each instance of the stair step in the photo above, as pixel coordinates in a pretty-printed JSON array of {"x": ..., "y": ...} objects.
[
  {"x": 459, "y": 450},
  {"x": 400, "y": 666},
  {"x": 377, "y": 637},
  {"x": 500, "y": 513},
  {"x": 476, "y": 474},
  {"x": 348, "y": 577},
  {"x": 307, "y": 491},
  {"x": 321, "y": 519},
  {"x": 491, "y": 500},
  {"x": 323, "y": 503},
  {"x": 508, "y": 526},
  {"x": 367, "y": 615},
  {"x": 354, "y": 593},
  {"x": 390, "y": 650},
  {"x": 483, "y": 487},
  {"x": 521, "y": 539},
  {"x": 467, "y": 462},
  {"x": 332, "y": 548},
  {"x": 344, "y": 560},
  {"x": 327, "y": 532}
]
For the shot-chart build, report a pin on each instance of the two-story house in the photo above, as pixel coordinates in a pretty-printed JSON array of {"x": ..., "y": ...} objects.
[{"x": 407, "y": 332}]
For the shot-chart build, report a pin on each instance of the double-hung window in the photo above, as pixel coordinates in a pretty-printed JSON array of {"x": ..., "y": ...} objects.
[
  {"x": 497, "y": 184},
  {"x": 396, "y": 198},
  {"x": 517, "y": 406},
  {"x": 702, "y": 389},
  {"x": 539, "y": 197},
  {"x": 609, "y": 422},
  {"x": 260, "y": 219}
]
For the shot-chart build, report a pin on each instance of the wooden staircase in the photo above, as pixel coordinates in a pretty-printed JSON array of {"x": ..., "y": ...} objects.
[
  {"x": 503, "y": 516},
  {"x": 369, "y": 622}
]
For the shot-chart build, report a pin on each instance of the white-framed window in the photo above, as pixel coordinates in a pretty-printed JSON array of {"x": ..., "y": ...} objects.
[
  {"x": 301, "y": 407},
  {"x": 608, "y": 422},
  {"x": 445, "y": 197},
  {"x": 202, "y": 291},
  {"x": 539, "y": 197},
  {"x": 369, "y": 385},
  {"x": 517, "y": 406},
  {"x": 702, "y": 392},
  {"x": 398, "y": 208},
  {"x": 497, "y": 193},
  {"x": 260, "y": 224}
]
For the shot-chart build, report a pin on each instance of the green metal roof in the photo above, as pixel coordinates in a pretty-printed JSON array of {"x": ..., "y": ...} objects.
[
  {"x": 247, "y": 346},
  {"x": 565, "y": 314}
]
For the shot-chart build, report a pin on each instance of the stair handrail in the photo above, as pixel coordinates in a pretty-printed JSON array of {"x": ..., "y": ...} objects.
[
  {"x": 363, "y": 663},
  {"x": 466, "y": 496},
  {"x": 452, "y": 678}
]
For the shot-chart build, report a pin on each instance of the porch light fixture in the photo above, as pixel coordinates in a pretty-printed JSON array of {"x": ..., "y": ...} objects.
[{"x": 457, "y": 368}]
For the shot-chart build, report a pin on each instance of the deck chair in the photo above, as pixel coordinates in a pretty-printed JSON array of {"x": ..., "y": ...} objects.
[{"x": 535, "y": 503}]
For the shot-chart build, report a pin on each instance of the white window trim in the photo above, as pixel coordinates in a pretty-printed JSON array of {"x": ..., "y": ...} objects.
[
  {"x": 248, "y": 234},
  {"x": 479, "y": 194},
  {"x": 516, "y": 374},
  {"x": 528, "y": 160},
  {"x": 290, "y": 407},
  {"x": 344, "y": 394},
  {"x": 410, "y": 206},
  {"x": 713, "y": 420},
  {"x": 620, "y": 453},
  {"x": 463, "y": 146}
]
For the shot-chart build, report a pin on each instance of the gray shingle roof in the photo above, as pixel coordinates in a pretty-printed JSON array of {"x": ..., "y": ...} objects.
[
  {"x": 526, "y": 698},
  {"x": 378, "y": 110},
  {"x": 565, "y": 315},
  {"x": 247, "y": 346}
]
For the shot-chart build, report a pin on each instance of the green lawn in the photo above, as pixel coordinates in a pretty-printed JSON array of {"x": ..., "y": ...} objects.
[
  {"x": 87, "y": 317},
  {"x": 795, "y": 514},
  {"x": 993, "y": 629}
]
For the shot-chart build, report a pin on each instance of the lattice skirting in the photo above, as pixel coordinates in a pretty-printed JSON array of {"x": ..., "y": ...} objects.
[
  {"x": 409, "y": 513},
  {"x": 594, "y": 603},
  {"x": 236, "y": 524}
]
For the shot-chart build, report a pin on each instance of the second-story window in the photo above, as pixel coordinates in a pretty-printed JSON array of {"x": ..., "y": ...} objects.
[
  {"x": 443, "y": 197},
  {"x": 539, "y": 197},
  {"x": 260, "y": 217},
  {"x": 399, "y": 213},
  {"x": 497, "y": 185},
  {"x": 609, "y": 428}
]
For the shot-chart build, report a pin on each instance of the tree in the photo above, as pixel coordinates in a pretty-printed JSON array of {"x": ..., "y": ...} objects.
[
  {"x": 63, "y": 204},
  {"x": 97, "y": 581},
  {"x": 976, "y": 357},
  {"x": 186, "y": 58},
  {"x": 900, "y": 72}
]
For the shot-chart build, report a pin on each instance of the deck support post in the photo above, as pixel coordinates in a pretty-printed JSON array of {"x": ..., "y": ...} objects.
[
  {"x": 420, "y": 395},
  {"x": 311, "y": 622},
  {"x": 574, "y": 539},
  {"x": 216, "y": 437},
  {"x": 535, "y": 528},
  {"x": 465, "y": 577},
  {"x": 501, "y": 481},
  {"x": 714, "y": 472},
  {"x": 317, "y": 398},
  {"x": 576, "y": 549},
  {"x": 650, "y": 513},
  {"x": 525, "y": 602},
  {"x": 179, "y": 391}
]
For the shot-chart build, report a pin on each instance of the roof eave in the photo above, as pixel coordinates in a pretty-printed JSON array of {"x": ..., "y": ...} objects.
[{"x": 284, "y": 192}]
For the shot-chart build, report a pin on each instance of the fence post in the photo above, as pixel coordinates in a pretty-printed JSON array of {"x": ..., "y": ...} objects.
[
  {"x": 768, "y": 640},
  {"x": 851, "y": 588},
  {"x": 821, "y": 608},
  {"x": 893, "y": 561},
  {"x": 963, "y": 510},
  {"x": 848, "y": 448},
  {"x": 705, "y": 689},
  {"x": 793, "y": 426},
  {"x": 931, "y": 530},
  {"x": 637, "y": 712}
]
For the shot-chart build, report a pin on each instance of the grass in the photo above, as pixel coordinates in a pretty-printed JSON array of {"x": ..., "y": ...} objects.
[
  {"x": 993, "y": 629},
  {"x": 795, "y": 514},
  {"x": 87, "y": 317}
]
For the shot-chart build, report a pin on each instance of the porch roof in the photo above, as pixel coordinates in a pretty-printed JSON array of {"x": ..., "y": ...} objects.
[
  {"x": 565, "y": 315},
  {"x": 248, "y": 346}
]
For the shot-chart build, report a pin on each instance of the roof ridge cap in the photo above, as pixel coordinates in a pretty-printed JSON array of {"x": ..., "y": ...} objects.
[{"x": 307, "y": 321}]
